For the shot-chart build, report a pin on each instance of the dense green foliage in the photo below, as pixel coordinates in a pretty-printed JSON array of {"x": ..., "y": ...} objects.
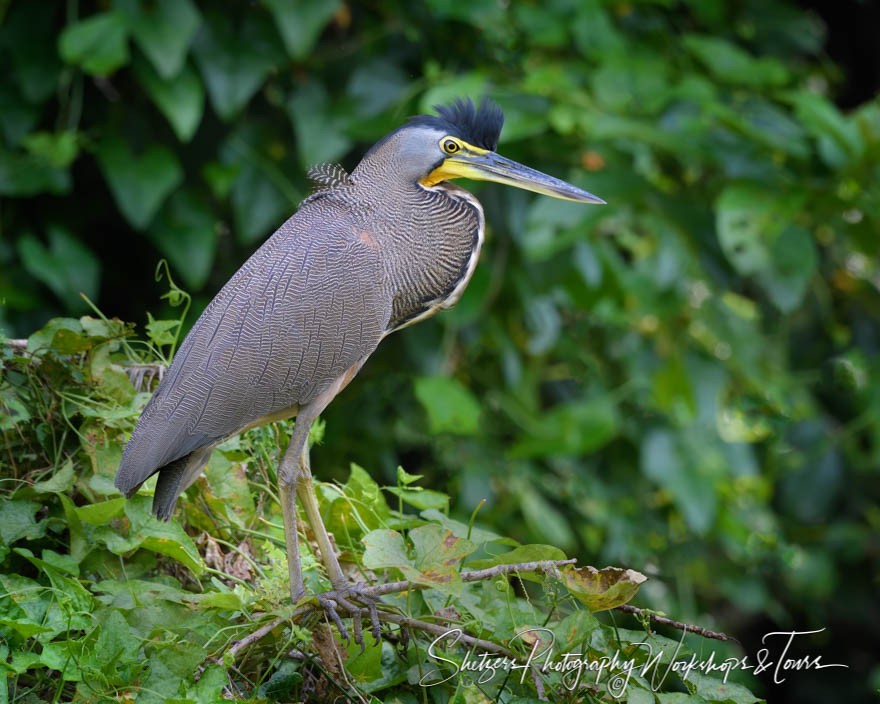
[{"x": 684, "y": 381}]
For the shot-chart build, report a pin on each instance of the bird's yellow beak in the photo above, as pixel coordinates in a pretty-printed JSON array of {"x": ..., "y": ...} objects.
[{"x": 485, "y": 165}]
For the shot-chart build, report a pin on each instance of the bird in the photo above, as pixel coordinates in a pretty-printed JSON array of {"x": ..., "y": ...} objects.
[{"x": 366, "y": 254}]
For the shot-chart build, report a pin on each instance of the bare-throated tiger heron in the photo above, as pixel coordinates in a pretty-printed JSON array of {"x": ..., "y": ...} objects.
[{"x": 365, "y": 255}]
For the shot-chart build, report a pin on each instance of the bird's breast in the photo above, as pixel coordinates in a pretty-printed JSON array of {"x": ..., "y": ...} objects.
[{"x": 432, "y": 252}]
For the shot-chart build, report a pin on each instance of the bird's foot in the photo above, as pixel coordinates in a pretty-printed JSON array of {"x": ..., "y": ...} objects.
[{"x": 353, "y": 599}]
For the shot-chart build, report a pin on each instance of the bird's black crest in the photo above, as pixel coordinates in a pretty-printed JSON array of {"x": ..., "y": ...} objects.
[{"x": 480, "y": 126}]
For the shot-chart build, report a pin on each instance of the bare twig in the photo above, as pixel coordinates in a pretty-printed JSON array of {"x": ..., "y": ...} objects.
[
  {"x": 663, "y": 621},
  {"x": 475, "y": 575}
]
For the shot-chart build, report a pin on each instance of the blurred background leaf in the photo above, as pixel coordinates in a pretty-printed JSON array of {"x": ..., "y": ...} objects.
[{"x": 683, "y": 381}]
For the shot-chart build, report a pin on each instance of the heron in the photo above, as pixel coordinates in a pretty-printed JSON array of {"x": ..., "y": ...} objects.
[{"x": 366, "y": 254}]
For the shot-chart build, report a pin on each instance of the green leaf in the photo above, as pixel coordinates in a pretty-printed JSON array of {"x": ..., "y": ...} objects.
[
  {"x": 404, "y": 477},
  {"x": 161, "y": 332},
  {"x": 840, "y": 139},
  {"x": 451, "y": 407},
  {"x": 300, "y": 23},
  {"x": 749, "y": 219},
  {"x": 319, "y": 132},
  {"x": 139, "y": 184},
  {"x": 169, "y": 667},
  {"x": 600, "y": 590},
  {"x": 522, "y": 553},
  {"x": 714, "y": 690},
  {"x": 185, "y": 232},
  {"x": 570, "y": 429},
  {"x": 460, "y": 530},
  {"x": 729, "y": 63},
  {"x": 148, "y": 532},
  {"x": 27, "y": 175},
  {"x": 180, "y": 98},
  {"x": 793, "y": 263},
  {"x": 163, "y": 29},
  {"x": 281, "y": 683},
  {"x": 665, "y": 461},
  {"x": 59, "y": 149},
  {"x": 98, "y": 45},
  {"x": 421, "y": 498},
  {"x": 60, "y": 481},
  {"x": 234, "y": 59},
  {"x": 17, "y": 521},
  {"x": 101, "y": 513},
  {"x": 385, "y": 548},
  {"x": 111, "y": 381},
  {"x": 68, "y": 267},
  {"x": 28, "y": 34},
  {"x": 44, "y": 338},
  {"x": 227, "y": 492}
]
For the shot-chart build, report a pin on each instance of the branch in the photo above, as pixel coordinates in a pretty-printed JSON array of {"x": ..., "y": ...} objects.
[
  {"x": 475, "y": 575},
  {"x": 663, "y": 621}
]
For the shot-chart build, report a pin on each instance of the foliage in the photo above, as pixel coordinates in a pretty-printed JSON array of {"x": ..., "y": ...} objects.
[
  {"x": 99, "y": 599},
  {"x": 683, "y": 381}
]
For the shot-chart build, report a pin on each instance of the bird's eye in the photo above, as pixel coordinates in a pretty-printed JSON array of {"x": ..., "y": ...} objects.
[{"x": 450, "y": 146}]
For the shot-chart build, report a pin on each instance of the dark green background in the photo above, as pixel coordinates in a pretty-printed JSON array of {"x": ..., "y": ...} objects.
[{"x": 684, "y": 381}]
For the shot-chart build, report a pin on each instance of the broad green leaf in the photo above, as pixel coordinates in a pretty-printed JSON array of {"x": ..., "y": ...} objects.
[
  {"x": 100, "y": 513},
  {"x": 139, "y": 183},
  {"x": 185, "y": 232},
  {"x": 111, "y": 380},
  {"x": 669, "y": 464},
  {"x": 67, "y": 266},
  {"x": 460, "y": 530},
  {"x": 839, "y": 138},
  {"x": 728, "y": 62},
  {"x": 573, "y": 630},
  {"x": 520, "y": 554},
  {"x": 234, "y": 59},
  {"x": 27, "y": 175},
  {"x": 573, "y": 428},
  {"x": 163, "y": 29},
  {"x": 714, "y": 690},
  {"x": 17, "y": 521},
  {"x": 793, "y": 263},
  {"x": 44, "y": 338},
  {"x": 146, "y": 531},
  {"x": 281, "y": 683},
  {"x": 749, "y": 218},
  {"x": 421, "y": 498},
  {"x": 51, "y": 560},
  {"x": 543, "y": 518},
  {"x": 300, "y": 23},
  {"x": 227, "y": 492},
  {"x": 60, "y": 481},
  {"x": 259, "y": 205},
  {"x": 59, "y": 149},
  {"x": 181, "y": 98},
  {"x": 385, "y": 548},
  {"x": 98, "y": 44},
  {"x": 451, "y": 407},
  {"x": 320, "y": 136},
  {"x": 603, "y": 589},
  {"x": 169, "y": 666}
]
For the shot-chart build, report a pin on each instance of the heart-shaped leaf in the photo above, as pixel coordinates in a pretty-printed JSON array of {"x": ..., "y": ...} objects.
[
  {"x": 98, "y": 45},
  {"x": 139, "y": 183},
  {"x": 163, "y": 29}
]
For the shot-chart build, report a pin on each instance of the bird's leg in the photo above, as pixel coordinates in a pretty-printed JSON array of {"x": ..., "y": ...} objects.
[
  {"x": 288, "y": 479},
  {"x": 343, "y": 592},
  {"x": 305, "y": 489}
]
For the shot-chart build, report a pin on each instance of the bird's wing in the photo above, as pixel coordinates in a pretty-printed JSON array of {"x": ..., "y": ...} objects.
[{"x": 309, "y": 304}]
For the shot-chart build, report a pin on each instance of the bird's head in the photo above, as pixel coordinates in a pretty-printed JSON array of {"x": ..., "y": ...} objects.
[{"x": 460, "y": 142}]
